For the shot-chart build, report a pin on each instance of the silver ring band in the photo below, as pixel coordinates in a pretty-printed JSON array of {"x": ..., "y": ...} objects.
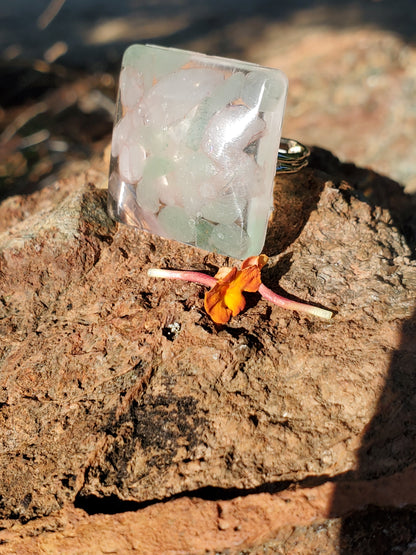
[{"x": 293, "y": 156}]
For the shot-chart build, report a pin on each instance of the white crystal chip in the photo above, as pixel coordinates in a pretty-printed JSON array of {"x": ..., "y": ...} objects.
[
  {"x": 147, "y": 195},
  {"x": 177, "y": 224},
  {"x": 131, "y": 162},
  {"x": 230, "y": 239},
  {"x": 233, "y": 128},
  {"x": 225, "y": 93},
  {"x": 224, "y": 210},
  {"x": 171, "y": 98},
  {"x": 131, "y": 87}
]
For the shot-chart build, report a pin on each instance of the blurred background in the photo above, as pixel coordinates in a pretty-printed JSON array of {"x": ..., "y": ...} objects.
[{"x": 351, "y": 67}]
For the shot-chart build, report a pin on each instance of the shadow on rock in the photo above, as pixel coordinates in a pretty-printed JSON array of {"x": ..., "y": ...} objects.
[
  {"x": 296, "y": 195},
  {"x": 389, "y": 442},
  {"x": 388, "y": 447}
]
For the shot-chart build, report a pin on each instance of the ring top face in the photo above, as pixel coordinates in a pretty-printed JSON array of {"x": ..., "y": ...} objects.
[{"x": 194, "y": 148}]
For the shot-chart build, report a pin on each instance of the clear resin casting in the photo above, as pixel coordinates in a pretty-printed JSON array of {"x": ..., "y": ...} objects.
[{"x": 194, "y": 148}]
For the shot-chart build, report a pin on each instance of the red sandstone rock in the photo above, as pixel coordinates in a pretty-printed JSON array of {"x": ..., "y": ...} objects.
[
  {"x": 192, "y": 525},
  {"x": 102, "y": 401}
]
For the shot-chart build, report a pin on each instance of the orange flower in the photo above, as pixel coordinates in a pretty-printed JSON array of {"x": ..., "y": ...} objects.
[{"x": 226, "y": 298}]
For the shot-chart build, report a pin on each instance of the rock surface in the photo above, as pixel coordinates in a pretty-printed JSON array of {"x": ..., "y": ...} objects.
[
  {"x": 277, "y": 521},
  {"x": 116, "y": 390}
]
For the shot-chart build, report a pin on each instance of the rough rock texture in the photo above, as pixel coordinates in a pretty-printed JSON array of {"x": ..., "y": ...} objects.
[
  {"x": 191, "y": 525},
  {"x": 115, "y": 387}
]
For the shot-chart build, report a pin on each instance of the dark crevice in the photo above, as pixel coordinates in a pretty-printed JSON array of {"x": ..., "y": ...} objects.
[
  {"x": 109, "y": 505},
  {"x": 92, "y": 504},
  {"x": 171, "y": 331},
  {"x": 248, "y": 339}
]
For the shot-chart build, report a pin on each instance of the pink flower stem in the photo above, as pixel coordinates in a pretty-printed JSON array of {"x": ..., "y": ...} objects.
[
  {"x": 184, "y": 275},
  {"x": 269, "y": 295},
  {"x": 265, "y": 292}
]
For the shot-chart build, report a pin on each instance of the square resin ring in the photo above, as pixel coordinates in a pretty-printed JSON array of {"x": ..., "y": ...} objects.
[{"x": 194, "y": 148}]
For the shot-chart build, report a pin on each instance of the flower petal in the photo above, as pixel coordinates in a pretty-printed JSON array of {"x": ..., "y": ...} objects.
[
  {"x": 249, "y": 279},
  {"x": 215, "y": 305},
  {"x": 246, "y": 280},
  {"x": 260, "y": 261},
  {"x": 226, "y": 274},
  {"x": 234, "y": 298}
]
